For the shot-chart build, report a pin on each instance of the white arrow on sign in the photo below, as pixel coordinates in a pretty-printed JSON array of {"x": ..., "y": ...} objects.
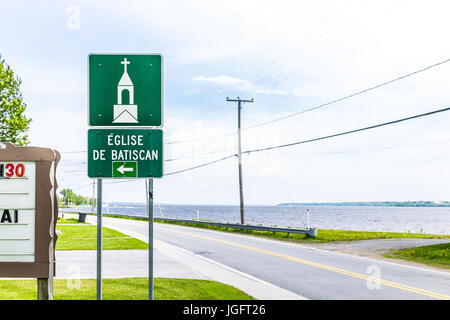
[{"x": 122, "y": 169}]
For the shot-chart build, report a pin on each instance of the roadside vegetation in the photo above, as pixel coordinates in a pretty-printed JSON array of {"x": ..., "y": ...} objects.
[
  {"x": 84, "y": 237},
  {"x": 125, "y": 289},
  {"x": 68, "y": 221},
  {"x": 323, "y": 235},
  {"x": 14, "y": 124},
  {"x": 68, "y": 199},
  {"x": 437, "y": 255}
]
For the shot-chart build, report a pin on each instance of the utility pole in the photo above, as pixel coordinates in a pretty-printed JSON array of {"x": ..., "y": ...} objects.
[{"x": 241, "y": 191}]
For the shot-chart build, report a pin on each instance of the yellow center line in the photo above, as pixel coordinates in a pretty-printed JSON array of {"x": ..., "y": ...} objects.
[{"x": 321, "y": 266}]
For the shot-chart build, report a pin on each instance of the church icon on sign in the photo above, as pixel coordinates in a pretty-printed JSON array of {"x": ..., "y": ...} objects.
[{"x": 125, "y": 111}]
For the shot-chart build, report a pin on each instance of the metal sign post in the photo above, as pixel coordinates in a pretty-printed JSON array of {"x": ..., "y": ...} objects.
[
  {"x": 150, "y": 239},
  {"x": 99, "y": 239}
]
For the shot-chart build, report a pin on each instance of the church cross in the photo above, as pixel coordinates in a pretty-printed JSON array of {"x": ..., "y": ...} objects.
[{"x": 125, "y": 62}]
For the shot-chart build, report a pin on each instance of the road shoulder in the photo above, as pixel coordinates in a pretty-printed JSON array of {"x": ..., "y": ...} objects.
[
  {"x": 212, "y": 270},
  {"x": 375, "y": 249}
]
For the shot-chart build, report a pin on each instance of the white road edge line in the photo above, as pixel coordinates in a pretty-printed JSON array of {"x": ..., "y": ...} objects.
[
  {"x": 305, "y": 246},
  {"x": 258, "y": 288},
  {"x": 251, "y": 285}
]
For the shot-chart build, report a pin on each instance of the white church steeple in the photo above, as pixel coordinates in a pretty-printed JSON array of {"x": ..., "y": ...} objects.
[
  {"x": 125, "y": 113},
  {"x": 125, "y": 83}
]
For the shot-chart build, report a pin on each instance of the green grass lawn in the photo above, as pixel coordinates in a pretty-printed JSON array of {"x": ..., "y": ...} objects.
[
  {"x": 125, "y": 289},
  {"x": 437, "y": 255},
  {"x": 323, "y": 235},
  {"x": 84, "y": 237},
  {"x": 68, "y": 220}
]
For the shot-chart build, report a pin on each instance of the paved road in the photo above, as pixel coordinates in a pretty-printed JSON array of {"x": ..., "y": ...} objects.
[{"x": 309, "y": 272}]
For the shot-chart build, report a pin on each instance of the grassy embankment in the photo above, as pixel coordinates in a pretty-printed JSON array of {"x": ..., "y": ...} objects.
[
  {"x": 323, "y": 235},
  {"x": 82, "y": 236},
  {"x": 125, "y": 289},
  {"x": 437, "y": 255},
  {"x": 69, "y": 220}
]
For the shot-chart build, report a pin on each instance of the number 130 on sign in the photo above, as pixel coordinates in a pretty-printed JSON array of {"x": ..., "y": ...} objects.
[{"x": 9, "y": 170}]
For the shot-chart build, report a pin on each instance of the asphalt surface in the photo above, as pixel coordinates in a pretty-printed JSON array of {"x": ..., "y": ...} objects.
[{"x": 310, "y": 272}]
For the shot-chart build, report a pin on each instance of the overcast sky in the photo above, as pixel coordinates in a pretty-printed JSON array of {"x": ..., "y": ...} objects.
[{"x": 288, "y": 56}]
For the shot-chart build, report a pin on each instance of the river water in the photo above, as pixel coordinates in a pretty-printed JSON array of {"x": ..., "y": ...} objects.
[{"x": 431, "y": 220}]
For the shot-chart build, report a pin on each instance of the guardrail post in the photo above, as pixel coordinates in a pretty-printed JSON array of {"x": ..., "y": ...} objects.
[{"x": 312, "y": 232}]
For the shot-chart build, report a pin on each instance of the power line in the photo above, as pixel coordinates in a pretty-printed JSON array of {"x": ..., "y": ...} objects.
[
  {"x": 296, "y": 54},
  {"x": 317, "y": 27},
  {"x": 375, "y": 149},
  {"x": 201, "y": 138},
  {"x": 361, "y": 27},
  {"x": 295, "y": 143},
  {"x": 317, "y": 139},
  {"x": 305, "y": 141},
  {"x": 216, "y": 106},
  {"x": 82, "y": 186},
  {"x": 349, "y": 96},
  {"x": 183, "y": 170},
  {"x": 349, "y": 132},
  {"x": 383, "y": 84},
  {"x": 192, "y": 155},
  {"x": 174, "y": 142},
  {"x": 73, "y": 171},
  {"x": 213, "y": 109},
  {"x": 299, "y": 41},
  {"x": 306, "y": 110},
  {"x": 201, "y": 165},
  {"x": 81, "y": 151}
]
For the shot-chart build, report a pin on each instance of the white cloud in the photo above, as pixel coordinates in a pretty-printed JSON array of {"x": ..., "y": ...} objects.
[
  {"x": 232, "y": 82},
  {"x": 297, "y": 54},
  {"x": 239, "y": 84}
]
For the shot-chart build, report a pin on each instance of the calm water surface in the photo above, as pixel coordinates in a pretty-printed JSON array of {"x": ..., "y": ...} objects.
[{"x": 434, "y": 220}]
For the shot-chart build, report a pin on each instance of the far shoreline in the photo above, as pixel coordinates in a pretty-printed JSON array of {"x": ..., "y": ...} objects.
[
  {"x": 400, "y": 204},
  {"x": 403, "y": 204}
]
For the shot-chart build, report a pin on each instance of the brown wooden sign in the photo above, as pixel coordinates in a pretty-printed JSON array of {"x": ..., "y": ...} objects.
[{"x": 28, "y": 211}]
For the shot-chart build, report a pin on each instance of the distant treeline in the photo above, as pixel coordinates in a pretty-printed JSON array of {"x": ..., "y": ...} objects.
[
  {"x": 69, "y": 197},
  {"x": 376, "y": 204}
]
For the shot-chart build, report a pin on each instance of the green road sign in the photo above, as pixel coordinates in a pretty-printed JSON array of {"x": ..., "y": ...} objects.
[
  {"x": 125, "y": 153},
  {"x": 125, "y": 90}
]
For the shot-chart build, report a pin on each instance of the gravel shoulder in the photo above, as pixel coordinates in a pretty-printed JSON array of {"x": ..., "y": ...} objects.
[{"x": 376, "y": 248}]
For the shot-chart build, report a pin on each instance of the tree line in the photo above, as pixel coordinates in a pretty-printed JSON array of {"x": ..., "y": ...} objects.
[{"x": 69, "y": 197}]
